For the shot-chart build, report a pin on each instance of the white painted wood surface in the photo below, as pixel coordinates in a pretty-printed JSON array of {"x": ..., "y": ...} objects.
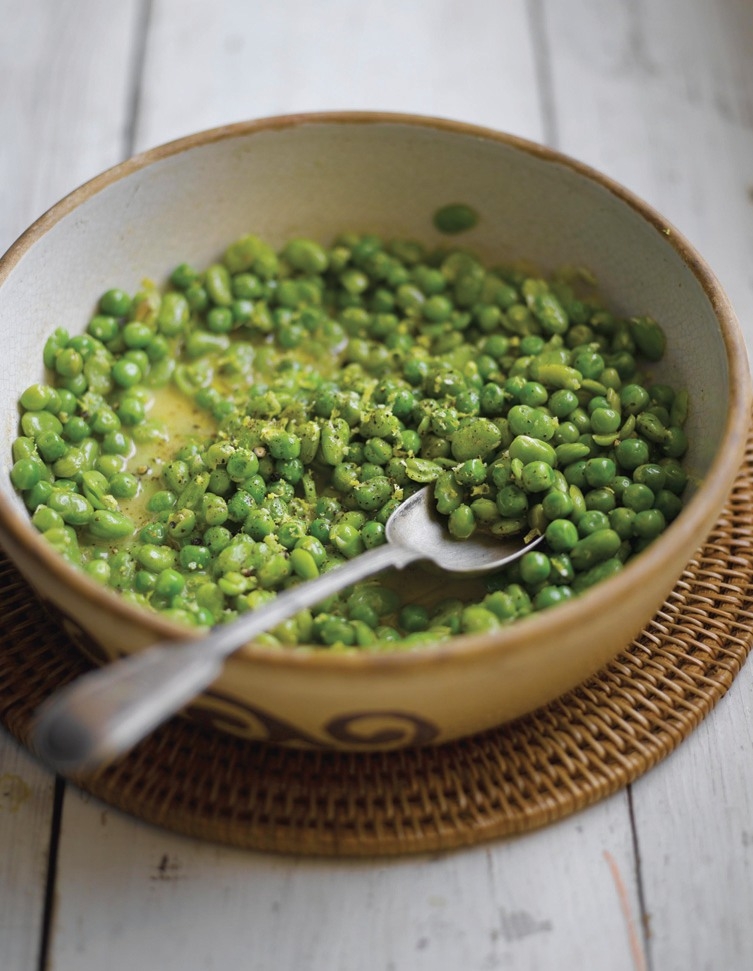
[{"x": 659, "y": 96}]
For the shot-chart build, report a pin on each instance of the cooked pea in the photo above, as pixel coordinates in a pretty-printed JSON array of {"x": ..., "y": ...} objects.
[
  {"x": 109, "y": 524},
  {"x": 475, "y": 440},
  {"x": 26, "y": 473},
  {"x": 594, "y": 548},
  {"x": 561, "y": 535},
  {"x": 461, "y": 522},
  {"x": 537, "y": 476},
  {"x": 456, "y": 217},
  {"x": 631, "y": 453},
  {"x": 529, "y": 449},
  {"x": 534, "y": 567},
  {"x": 75, "y": 509}
]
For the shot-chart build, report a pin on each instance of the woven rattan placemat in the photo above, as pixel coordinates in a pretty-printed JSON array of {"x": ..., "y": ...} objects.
[{"x": 564, "y": 757}]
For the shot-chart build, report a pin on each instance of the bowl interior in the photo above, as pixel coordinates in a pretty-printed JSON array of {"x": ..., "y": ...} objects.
[{"x": 320, "y": 176}]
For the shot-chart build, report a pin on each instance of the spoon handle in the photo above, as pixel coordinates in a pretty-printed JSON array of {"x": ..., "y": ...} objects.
[{"x": 107, "y": 711}]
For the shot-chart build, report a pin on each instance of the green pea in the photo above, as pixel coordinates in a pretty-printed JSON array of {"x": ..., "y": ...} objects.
[
  {"x": 637, "y": 497},
  {"x": 511, "y": 501},
  {"x": 306, "y": 255},
  {"x": 218, "y": 285},
  {"x": 650, "y": 427},
  {"x": 170, "y": 583},
  {"x": 272, "y": 572},
  {"x": 530, "y": 422},
  {"x": 598, "y": 573},
  {"x": 528, "y": 449},
  {"x": 454, "y": 218},
  {"x": 652, "y": 475},
  {"x": 63, "y": 539},
  {"x": 621, "y": 520},
  {"x": 594, "y": 548},
  {"x": 562, "y": 535},
  {"x": 38, "y": 494},
  {"x": 601, "y": 499},
  {"x": 649, "y": 337},
  {"x": 669, "y": 504},
  {"x": 557, "y": 504},
  {"x": 194, "y": 557},
  {"x": 164, "y": 500},
  {"x": 181, "y": 523},
  {"x": 461, "y": 522},
  {"x": 485, "y": 511},
  {"x": 335, "y": 436},
  {"x": 675, "y": 444},
  {"x": 550, "y": 595},
  {"x": 604, "y": 421},
  {"x": 649, "y": 523},
  {"x": 26, "y": 473},
  {"x": 537, "y": 476},
  {"x": 45, "y": 518},
  {"x": 174, "y": 314},
  {"x": 476, "y": 619},
  {"x": 413, "y": 617},
  {"x": 36, "y": 423},
  {"x": 110, "y": 524},
  {"x": 631, "y": 453},
  {"x": 563, "y": 402},
  {"x": 477, "y": 439},
  {"x": 283, "y": 445},
  {"x": 144, "y": 581},
  {"x": 75, "y": 509},
  {"x": 592, "y": 520},
  {"x": 534, "y": 567},
  {"x": 346, "y": 539},
  {"x": 471, "y": 473},
  {"x": 599, "y": 471},
  {"x": 98, "y": 570},
  {"x": 115, "y": 302},
  {"x": 373, "y": 494},
  {"x": 550, "y": 313}
]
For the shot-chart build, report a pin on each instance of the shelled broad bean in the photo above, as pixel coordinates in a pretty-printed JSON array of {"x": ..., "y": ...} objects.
[{"x": 254, "y": 423}]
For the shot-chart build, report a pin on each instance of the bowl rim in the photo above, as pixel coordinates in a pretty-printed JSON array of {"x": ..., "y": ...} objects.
[{"x": 689, "y": 527}]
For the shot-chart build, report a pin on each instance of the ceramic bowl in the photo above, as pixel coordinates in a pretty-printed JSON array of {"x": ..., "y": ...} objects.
[{"x": 317, "y": 175}]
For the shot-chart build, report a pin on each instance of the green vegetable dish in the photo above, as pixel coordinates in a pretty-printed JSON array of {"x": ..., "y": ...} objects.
[{"x": 254, "y": 423}]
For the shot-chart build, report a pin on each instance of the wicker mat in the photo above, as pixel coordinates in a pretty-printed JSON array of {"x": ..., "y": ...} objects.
[{"x": 564, "y": 757}]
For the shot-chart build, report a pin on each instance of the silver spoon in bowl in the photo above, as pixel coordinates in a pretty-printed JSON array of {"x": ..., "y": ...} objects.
[{"x": 107, "y": 711}]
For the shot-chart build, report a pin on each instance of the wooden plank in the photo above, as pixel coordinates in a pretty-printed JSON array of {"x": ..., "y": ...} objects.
[
  {"x": 660, "y": 97},
  {"x": 26, "y": 796},
  {"x": 63, "y": 117},
  {"x": 563, "y": 897},
  {"x": 471, "y": 61},
  {"x": 693, "y": 818},
  {"x": 664, "y": 104},
  {"x": 68, "y": 89}
]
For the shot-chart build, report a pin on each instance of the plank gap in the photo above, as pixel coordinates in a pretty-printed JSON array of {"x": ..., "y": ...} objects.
[
  {"x": 543, "y": 70},
  {"x": 136, "y": 80},
  {"x": 640, "y": 890},
  {"x": 51, "y": 876}
]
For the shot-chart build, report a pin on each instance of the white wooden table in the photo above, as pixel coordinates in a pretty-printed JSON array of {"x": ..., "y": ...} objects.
[{"x": 659, "y": 96}]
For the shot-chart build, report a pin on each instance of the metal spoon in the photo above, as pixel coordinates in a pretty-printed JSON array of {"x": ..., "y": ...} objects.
[{"x": 105, "y": 712}]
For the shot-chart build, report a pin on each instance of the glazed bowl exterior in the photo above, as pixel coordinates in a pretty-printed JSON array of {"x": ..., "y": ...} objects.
[{"x": 318, "y": 175}]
